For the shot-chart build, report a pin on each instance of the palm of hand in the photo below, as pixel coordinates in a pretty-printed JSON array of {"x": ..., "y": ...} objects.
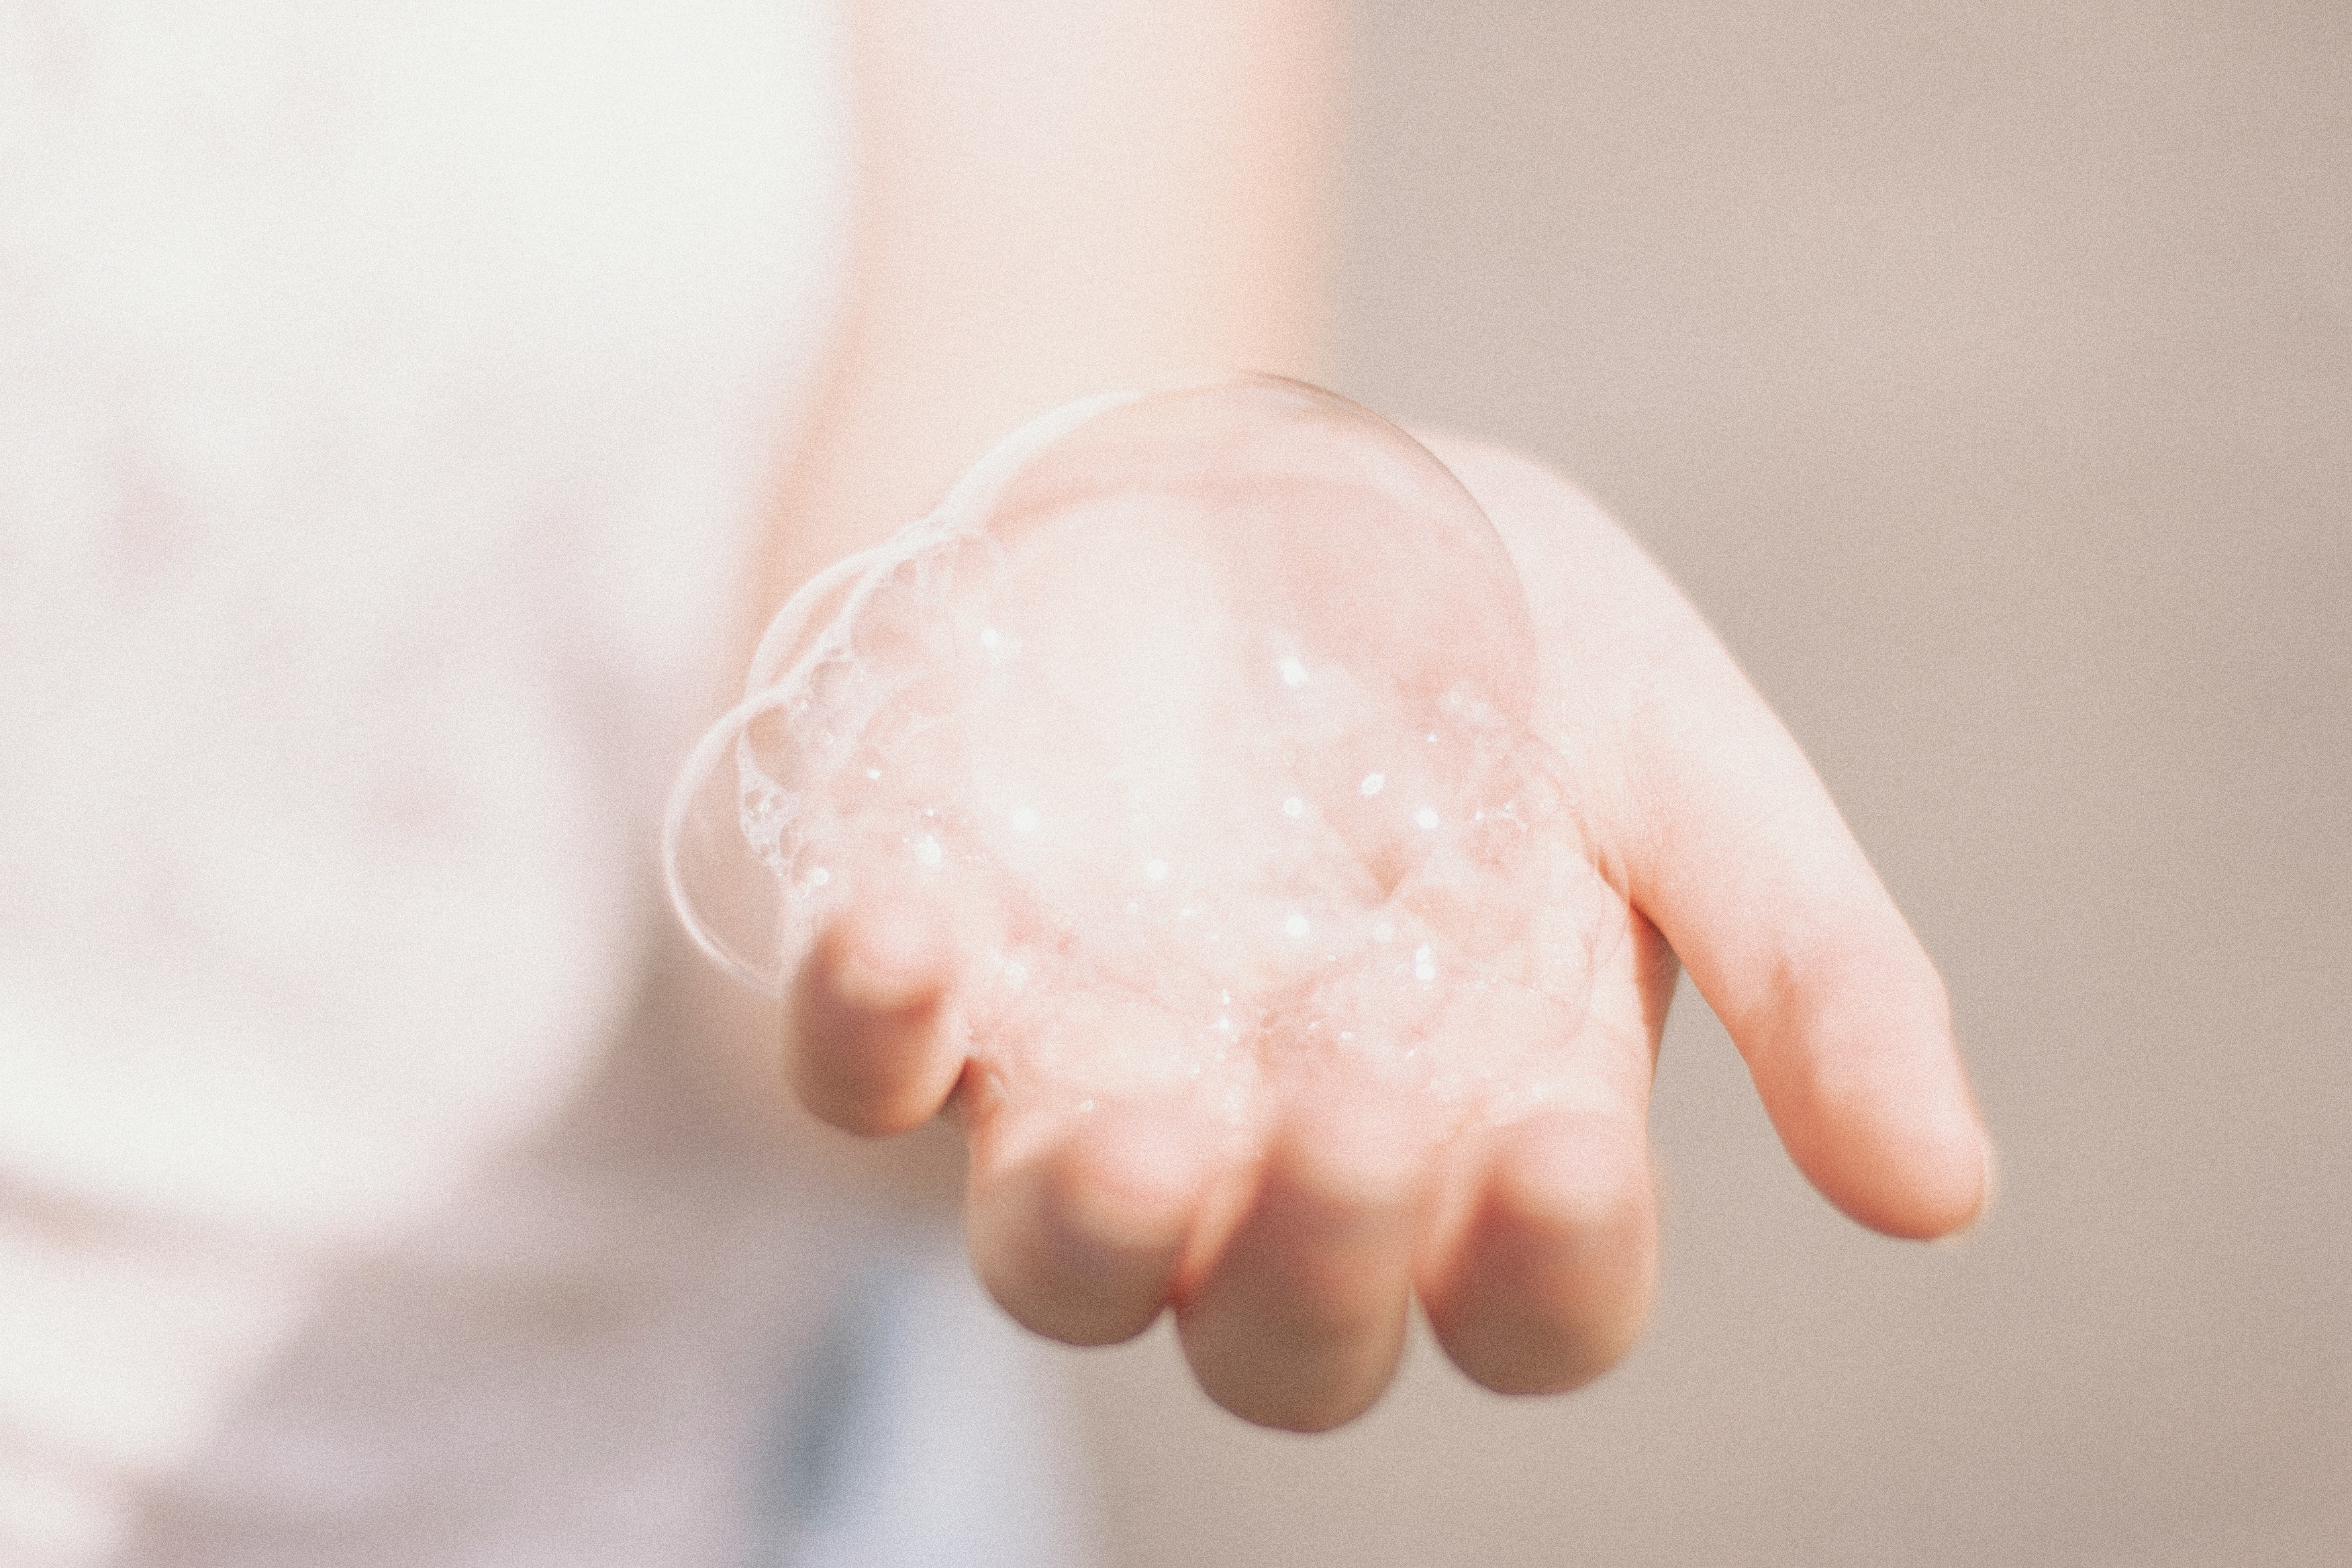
[{"x": 1261, "y": 1011}]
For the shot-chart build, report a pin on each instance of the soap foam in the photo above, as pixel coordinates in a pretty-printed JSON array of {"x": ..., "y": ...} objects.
[{"x": 1217, "y": 702}]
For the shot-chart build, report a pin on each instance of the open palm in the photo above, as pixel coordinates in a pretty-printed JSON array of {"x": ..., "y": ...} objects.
[{"x": 1287, "y": 1190}]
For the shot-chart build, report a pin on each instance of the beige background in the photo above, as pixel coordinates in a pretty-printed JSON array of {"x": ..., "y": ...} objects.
[{"x": 1985, "y": 371}]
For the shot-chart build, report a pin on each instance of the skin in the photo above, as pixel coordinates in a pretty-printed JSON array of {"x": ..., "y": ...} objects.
[{"x": 1131, "y": 191}]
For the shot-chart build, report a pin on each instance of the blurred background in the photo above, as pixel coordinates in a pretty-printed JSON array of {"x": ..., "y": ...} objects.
[{"x": 1985, "y": 373}]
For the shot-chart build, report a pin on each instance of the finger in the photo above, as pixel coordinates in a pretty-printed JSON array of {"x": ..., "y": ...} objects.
[
  {"x": 1545, "y": 1282},
  {"x": 1300, "y": 1322},
  {"x": 1733, "y": 848},
  {"x": 1077, "y": 1231},
  {"x": 872, "y": 1047},
  {"x": 1746, "y": 865}
]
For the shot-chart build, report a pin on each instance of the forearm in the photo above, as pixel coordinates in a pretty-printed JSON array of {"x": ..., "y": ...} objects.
[{"x": 1056, "y": 196}]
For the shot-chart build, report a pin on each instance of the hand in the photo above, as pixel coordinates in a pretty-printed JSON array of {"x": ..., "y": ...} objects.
[{"x": 1289, "y": 1232}]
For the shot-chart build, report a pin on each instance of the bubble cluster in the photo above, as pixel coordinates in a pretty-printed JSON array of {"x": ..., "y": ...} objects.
[{"x": 1214, "y": 702}]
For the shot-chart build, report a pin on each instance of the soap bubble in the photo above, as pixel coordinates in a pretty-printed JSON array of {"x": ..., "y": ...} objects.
[{"x": 1217, "y": 701}]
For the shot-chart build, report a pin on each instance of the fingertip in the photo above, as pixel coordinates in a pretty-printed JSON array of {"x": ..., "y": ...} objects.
[
  {"x": 1549, "y": 1282},
  {"x": 1907, "y": 1161},
  {"x": 886, "y": 957},
  {"x": 1858, "y": 1065},
  {"x": 1300, "y": 1323},
  {"x": 869, "y": 1048},
  {"x": 1988, "y": 1198},
  {"x": 1080, "y": 1240}
]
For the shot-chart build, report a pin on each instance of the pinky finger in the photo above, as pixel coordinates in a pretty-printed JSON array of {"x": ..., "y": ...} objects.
[{"x": 871, "y": 1045}]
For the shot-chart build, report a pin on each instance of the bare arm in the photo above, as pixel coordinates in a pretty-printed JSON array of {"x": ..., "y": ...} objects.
[{"x": 1054, "y": 197}]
